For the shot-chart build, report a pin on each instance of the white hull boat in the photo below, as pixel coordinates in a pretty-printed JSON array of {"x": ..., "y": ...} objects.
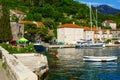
[
  {"x": 89, "y": 44},
  {"x": 96, "y": 45},
  {"x": 99, "y": 58}
]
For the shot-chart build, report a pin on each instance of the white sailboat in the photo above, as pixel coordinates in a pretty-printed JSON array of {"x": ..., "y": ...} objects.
[{"x": 90, "y": 43}]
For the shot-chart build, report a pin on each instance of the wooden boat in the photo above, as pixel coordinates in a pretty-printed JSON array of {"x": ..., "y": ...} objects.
[{"x": 99, "y": 58}]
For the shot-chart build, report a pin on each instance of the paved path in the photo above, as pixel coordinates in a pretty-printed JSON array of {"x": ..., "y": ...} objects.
[{"x": 3, "y": 75}]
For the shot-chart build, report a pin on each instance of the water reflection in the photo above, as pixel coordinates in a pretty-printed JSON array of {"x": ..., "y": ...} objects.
[
  {"x": 102, "y": 70},
  {"x": 70, "y": 66}
]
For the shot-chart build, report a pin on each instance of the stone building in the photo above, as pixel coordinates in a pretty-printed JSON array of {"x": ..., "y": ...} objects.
[
  {"x": 109, "y": 23},
  {"x": 19, "y": 14},
  {"x": 69, "y": 33},
  {"x": 116, "y": 33},
  {"x": 17, "y": 28},
  {"x": 88, "y": 33}
]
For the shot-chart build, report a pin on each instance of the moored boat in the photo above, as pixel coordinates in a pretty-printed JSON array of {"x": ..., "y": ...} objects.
[
  {"x": 100, "y": 58},
  {"x": 39, "y": 47},
  {"x": 89, "y": 44}
]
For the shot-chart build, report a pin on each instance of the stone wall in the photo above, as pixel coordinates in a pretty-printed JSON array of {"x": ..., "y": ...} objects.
[
  {"x": 15, "y": 69},
  {"x": 17, "y": 30},
  {"x": 36, "y": 62}
]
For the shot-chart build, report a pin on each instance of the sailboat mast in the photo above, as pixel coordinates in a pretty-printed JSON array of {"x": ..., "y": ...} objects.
[
  {"x": 90, "y": 18},
  {"x": 96, "y": 19}
]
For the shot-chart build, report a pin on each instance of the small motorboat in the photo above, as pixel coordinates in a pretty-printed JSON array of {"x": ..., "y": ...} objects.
[
  {"x": 100, "y": 58},
  {"x": 39, "y": 47}
]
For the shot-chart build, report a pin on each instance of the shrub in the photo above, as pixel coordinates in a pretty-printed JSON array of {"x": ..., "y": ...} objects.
[
  {"x": 14, "y": 49},
  {"x": 108, "y": 40},
  {"x": 4, "y": 65}
]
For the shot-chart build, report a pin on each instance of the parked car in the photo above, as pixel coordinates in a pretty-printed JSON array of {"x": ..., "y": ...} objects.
[{"x": 117, "y": 42}]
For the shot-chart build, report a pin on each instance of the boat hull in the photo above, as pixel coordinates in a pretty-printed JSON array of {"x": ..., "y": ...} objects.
[
  {"x": 99, "y": 59},
  {"x": 40, "y": 48},
  {"x": 90, "y": 46}
]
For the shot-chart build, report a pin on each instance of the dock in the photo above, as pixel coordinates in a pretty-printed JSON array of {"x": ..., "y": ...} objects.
[
  {"x": 73, "y": 46},
  {"x": 112, "y": 45},
  {"x": 61, "y": 46}
]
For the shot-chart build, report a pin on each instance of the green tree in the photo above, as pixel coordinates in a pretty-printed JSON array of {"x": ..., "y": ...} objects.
[
  {"x": 47, "y": 10},
  {"x": 48, "y": 23},
  {"x": 33, "y": 17},
  {"x": 14, "y": 18},
  {"x": 107, "y": 27},
  {"x": 30, "y": 31},
  {"x": 5, "y": 29}
]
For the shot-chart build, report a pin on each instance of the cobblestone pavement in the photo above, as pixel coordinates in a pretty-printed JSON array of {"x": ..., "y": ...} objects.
[{"x": 3, "y": 75}]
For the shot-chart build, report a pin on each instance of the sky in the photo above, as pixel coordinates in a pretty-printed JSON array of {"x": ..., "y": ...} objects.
[{"x": 112, "y": 3}]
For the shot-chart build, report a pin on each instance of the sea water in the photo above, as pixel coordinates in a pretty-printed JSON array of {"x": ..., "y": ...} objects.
[{"x": 69, "y": 64}]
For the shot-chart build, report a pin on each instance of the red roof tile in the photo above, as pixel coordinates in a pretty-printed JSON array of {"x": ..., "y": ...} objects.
[
  {"x": 40, "y": 24},
  {"x": 69, "y": 26},
  {"x": 87, "y": 29}
]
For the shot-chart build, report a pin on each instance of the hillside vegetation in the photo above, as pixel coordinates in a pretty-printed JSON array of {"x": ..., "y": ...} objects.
[{"x": 54, "y": 12}]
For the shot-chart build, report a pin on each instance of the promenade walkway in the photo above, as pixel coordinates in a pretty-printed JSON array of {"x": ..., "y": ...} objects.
[{"x": 3, "y": 75}]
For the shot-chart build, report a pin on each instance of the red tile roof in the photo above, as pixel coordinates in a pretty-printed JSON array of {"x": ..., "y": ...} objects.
[
  {"x": 93, "y": 29},
  {"x": 96, "y": 30},
  {"x": 86, "y": 29},
  {"x": 39, "y": 24},
  {"x": 69, "y": 26}
]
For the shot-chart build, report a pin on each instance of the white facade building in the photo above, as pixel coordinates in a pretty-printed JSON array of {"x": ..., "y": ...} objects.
[
  {"x": 116, "y": 33},
  {"x": 69, "y": 33},
  {"x": 97, "y": 34},
  {"x": 110, "y": 23},
  {"x": 88, "y": 34},
  {"x": 103, "y": 35}
]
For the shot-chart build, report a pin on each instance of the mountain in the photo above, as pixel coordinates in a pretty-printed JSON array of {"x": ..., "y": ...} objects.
[{"x": 105, "y": 9}]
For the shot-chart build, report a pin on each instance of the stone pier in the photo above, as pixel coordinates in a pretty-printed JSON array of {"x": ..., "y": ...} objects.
[{"x": 18, "y": 68}]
